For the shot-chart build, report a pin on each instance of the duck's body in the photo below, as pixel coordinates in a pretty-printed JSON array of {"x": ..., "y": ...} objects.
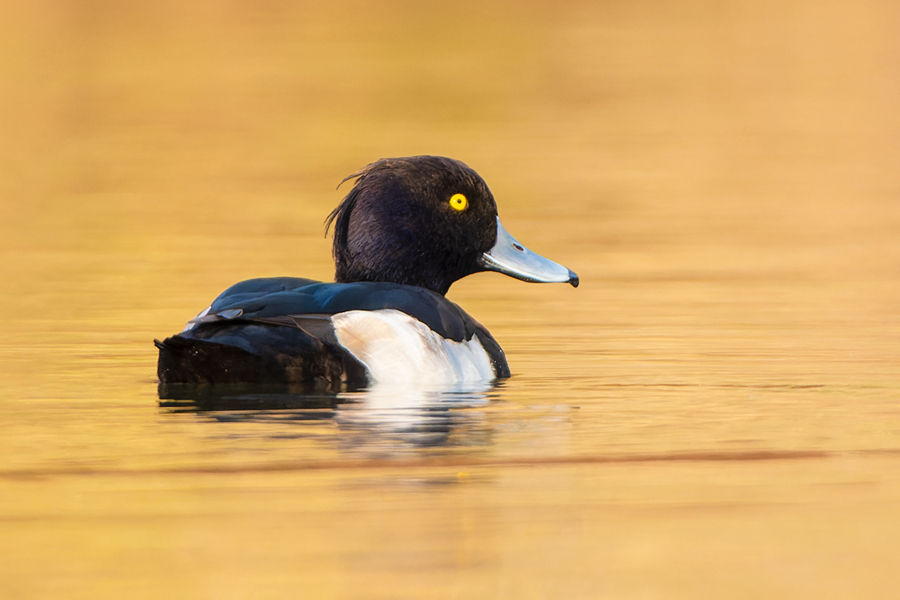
[
  {"x": 408, "y": 229},
  {"x": 329, "y": 335}
]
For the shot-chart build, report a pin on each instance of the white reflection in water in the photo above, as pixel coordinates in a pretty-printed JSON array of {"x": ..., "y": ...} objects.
[
  {"x": 388, "y": 417},
  {"x": 381, "y": 421}
]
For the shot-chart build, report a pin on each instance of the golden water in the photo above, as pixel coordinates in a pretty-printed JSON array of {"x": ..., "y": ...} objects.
[{"x": 714, "y": 413}]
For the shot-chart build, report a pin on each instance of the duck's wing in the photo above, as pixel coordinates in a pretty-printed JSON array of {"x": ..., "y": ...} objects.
[
  {"x": 256, "y": 288},
  {"x": 271, "y": 299}
]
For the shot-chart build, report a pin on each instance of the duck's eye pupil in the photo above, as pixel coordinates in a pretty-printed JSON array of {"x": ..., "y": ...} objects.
[{"x": 458, "y": 202}]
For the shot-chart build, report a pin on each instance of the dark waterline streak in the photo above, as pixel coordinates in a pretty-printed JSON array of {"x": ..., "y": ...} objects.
[{"x": 431, "y": 463}]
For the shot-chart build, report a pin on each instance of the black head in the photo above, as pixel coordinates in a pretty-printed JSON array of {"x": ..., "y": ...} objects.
[{"x": 422, "y": 220}]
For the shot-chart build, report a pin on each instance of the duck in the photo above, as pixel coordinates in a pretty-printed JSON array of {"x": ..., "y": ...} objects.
[{"x": 407, "y": 230}]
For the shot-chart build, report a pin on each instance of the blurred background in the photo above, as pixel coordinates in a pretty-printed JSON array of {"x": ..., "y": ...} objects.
[{"x": 713, "y": 413}]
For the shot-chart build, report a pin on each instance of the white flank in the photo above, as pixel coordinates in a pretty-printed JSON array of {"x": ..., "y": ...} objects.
[{"x": 398, "y": 349}]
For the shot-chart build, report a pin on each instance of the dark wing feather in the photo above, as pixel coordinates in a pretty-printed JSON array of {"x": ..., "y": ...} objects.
[{"x": 441, "y": 315}]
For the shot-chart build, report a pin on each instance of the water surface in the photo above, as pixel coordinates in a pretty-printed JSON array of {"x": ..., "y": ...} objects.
[{"x": 712, "y": 414}]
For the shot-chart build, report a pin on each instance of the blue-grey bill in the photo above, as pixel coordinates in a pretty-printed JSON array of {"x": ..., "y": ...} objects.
[{"x": 511, "y": 258}]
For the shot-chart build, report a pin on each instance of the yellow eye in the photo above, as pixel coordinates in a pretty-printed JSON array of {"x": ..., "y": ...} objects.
[{"x": 458, "y": 202}]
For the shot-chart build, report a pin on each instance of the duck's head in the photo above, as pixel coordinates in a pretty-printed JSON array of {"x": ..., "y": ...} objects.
[{"x": 427, "y": 221}]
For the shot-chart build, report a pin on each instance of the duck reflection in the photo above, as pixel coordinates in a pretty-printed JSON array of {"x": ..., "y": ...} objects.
[
  {"x": 392, "y": 416},
  {"x": 378, "y": 421}
]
